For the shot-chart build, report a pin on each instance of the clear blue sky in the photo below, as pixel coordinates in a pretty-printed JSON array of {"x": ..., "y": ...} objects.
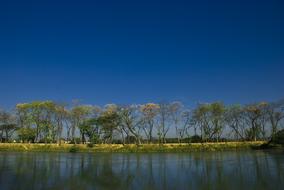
[{"x": 141, "y": 51}]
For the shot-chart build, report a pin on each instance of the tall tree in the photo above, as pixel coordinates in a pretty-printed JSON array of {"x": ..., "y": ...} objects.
[
  {"x": 61, "y": 117},
  {"x": 131, "y": 121},
  {"x": 90, "y": 127},
  {"x": 217, "y": 110},
  {"x": 149, "y": 112},
  {"x": 253, "y": 117},
  {"x": 163, "y": 125},
  {"x": 275, "y": 112},
  {"x": 78, "y": 115},
  {"x": 234, "y": 118},
  {"x": 175, "y": 112},
  {"x": 39, "y": 115},
  {"x": 109, "y": 120},
  {"x": 7, "y": 126},
  {"x": 201, "y": 118}
]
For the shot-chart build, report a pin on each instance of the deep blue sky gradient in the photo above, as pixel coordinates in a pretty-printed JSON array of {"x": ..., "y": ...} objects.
[{"x": 141, "y": 51}]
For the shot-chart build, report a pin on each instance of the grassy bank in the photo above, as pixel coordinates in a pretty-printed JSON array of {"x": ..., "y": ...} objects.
[{"x": 130, "y": 148}]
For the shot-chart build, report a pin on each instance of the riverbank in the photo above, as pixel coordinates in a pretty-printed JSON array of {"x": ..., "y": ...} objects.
[{"x": 130, "y": 148}]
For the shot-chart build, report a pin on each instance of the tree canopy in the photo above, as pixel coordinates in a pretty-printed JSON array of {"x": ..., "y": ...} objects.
[{"x": 49, "y": 121}]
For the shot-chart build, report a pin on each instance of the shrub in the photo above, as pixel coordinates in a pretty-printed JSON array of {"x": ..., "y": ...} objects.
[
  {"x": 27, "y": 134},
  {"x": 90, "y": 145},
  {"x": 74, "y": 149},
  {"x": 279, "y": 137},
  {"x": 195, "y": 139}
]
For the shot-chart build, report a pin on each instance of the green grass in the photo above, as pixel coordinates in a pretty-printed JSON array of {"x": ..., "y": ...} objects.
[{"x": 130, "y": 148}]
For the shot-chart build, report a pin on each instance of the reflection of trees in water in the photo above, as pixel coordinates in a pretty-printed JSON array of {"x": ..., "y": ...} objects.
[
  {"x": 238, "y": 170},
  {"x": 220, "y": 170},
  {"x": 278, "y": 160}
]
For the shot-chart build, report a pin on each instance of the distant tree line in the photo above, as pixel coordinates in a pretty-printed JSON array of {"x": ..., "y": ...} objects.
[{"x": 51, "y": 122}]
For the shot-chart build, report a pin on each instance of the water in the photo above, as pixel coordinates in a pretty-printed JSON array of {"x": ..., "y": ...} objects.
[{"x": 209, "y": 170}]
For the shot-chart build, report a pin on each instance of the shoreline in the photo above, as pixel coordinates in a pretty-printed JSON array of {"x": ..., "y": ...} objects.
[{"x": 131, "y": 148}]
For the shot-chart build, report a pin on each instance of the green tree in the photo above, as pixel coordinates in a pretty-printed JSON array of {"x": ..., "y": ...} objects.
[
  {"x": 149, "y": 112},
  {"x": 37, "y": 114},
  {"x": 78, "y": 115},
  {"x": 163, "y": 125},
  {"x": 27, "y": 134},
  {"x": 200, "y": 118},
  {"x": 176, "y": 115},
  {"x": 90, "y": 128},
  {"x": 61, "y": 117},
  {"x": 109, "y": 121},
  {"x": 275, "y": 115},
  {"x": 253, "y": 115},
  {"x": 217, "y": 110},
  {"x": 7, "y": 126},
  {"x": 234, "y": 118},
  {"x": 131, "y": 122}
]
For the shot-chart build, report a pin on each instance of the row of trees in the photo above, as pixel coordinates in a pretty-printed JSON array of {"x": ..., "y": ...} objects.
[{"x": 48, "y": 121}]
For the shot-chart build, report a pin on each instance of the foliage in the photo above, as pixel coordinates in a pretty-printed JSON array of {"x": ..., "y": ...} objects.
[
  {"x": 73, "y": 149},
  {"x": 50, "y": 122},
  {"x": 278, "y": 137},
  {"x": 7, "y": 126},
  {"x": 195, "y": 139},
  {"x": 109, "y": 121},
  {"x": 27, "y": 134}
]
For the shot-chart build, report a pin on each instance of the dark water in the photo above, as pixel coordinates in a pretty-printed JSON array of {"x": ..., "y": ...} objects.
[{"x": 211, "y": 170}]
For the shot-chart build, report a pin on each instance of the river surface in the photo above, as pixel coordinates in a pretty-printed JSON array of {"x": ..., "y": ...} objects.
[{"x": 203, "y": 170}]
